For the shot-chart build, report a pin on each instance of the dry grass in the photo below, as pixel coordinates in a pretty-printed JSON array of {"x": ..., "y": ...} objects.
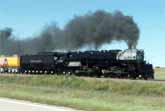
[{"x": 160, "y": 73}]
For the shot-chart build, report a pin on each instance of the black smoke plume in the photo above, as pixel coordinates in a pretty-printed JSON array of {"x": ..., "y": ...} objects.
[
  {"x": 101, "y": 27},
  {"x": 90, "y": 30}
]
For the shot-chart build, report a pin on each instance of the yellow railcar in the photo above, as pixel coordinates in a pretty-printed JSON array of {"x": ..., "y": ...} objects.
[{"x": 13, "y": 62}]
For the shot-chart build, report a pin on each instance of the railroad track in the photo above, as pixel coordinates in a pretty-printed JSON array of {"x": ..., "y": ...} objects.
[
  {"x": 158, "y": 80},
  {"x": 102, "y": 79}
]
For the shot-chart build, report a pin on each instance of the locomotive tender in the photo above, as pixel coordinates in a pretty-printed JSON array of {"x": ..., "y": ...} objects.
[{"x": 129, "y": 63}]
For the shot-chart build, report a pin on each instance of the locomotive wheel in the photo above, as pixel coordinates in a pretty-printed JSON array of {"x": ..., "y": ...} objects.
[
  {"x": 133, "y": 76},
  {"x": 148, "y": 77}
]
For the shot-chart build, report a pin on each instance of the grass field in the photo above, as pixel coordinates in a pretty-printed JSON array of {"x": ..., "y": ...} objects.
[
  {"x": 87, "y": 93},
  {"x": 160, "y": 73}
]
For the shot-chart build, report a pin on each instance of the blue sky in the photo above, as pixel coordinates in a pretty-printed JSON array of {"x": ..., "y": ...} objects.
[{"x": 28, "y": 17}]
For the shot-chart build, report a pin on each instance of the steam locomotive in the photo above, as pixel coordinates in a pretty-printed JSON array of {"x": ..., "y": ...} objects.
[{"x": 128, "y": 63}]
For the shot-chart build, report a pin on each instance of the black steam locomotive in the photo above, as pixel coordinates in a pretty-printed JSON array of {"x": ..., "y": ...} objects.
[{"x": 129, "y": 63}]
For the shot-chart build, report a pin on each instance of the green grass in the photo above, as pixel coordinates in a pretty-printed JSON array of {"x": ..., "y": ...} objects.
[{"x": 86, "y": 93}]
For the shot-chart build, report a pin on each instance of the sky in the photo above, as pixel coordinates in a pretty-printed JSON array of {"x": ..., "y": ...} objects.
[{"x": 28, "y": 18}]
